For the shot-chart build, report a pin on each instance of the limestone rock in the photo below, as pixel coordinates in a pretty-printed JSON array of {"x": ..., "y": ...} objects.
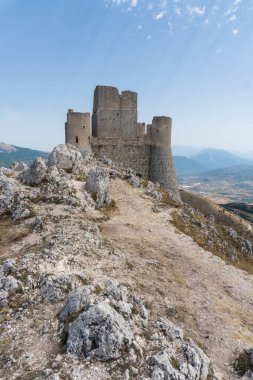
[
  {"x": 181, "y": 359},
  {"x": 153, "y": 189},
  {"x": 36, "y": 173},
  {"x": 77, "y": 301},
  {"x": 8, "y": 284},
  {"x": 88, "y": 156},
  {"x": 20, "y": 213},
  {"x": 38, "y": 224},
  {"x": 98, "y": 185},
  {"x": 66, "y": 157},
  {"x": 7, "y": 194},
  {"x": 20, "y": 166},
  {"x": 54, "y": 289},
  {"x": 169, "y": 329},
  {"x": 100, "y": 331},
  {"x": 8, "y": 267},
  {"x": 134, "y": 181}
]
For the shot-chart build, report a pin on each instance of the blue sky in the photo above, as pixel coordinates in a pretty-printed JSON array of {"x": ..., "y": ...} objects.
[{"x": 192, "y": 60}]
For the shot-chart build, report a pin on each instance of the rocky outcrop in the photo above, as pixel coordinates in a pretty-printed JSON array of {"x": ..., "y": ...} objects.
[
  {"x": 97, "y": 184},
  {"x": 101, "y": 332},
  {"x": 67, "y": 157},
  {"x": 36, "y": 173},
  {"x": 113, "y": 324}
]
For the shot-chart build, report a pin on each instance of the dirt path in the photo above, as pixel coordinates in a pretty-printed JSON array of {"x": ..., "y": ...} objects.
[{"x": 211, "y": 300}]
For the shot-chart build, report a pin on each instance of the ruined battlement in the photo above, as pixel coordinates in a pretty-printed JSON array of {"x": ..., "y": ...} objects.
[{"x": 116, "y": 133}]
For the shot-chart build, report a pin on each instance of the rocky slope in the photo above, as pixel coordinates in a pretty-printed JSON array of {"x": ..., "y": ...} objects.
[{"x": 97, "y": 283}]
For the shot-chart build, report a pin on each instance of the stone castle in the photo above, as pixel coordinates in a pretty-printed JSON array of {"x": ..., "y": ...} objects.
[{"x": 115, "y": 133}]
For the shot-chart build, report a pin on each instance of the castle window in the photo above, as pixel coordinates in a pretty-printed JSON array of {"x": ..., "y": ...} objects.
[
  {"x": 77, "y": 140},
  {"x": 83, "y": 126},
  {"x": 157, "y": 131}
]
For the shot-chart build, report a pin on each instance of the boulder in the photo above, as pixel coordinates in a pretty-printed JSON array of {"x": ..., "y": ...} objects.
[
  {"x": 97, "y": 184},
  {"x": 36, "y": 173},
  {"x": 67, "y": 157},
  {"x": 8, "y": 189},
  {"x": 101, "y": 332}
]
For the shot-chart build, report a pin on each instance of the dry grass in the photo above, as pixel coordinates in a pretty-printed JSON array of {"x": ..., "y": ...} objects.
[
  {"x": 11, "y": 232},
  {"x": 199, "y": 236}
]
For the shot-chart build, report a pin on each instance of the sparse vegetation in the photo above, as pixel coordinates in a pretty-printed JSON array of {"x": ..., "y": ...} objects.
[
  {"x": 217, "y": 240},
  {"x": 11, "y": 232}
]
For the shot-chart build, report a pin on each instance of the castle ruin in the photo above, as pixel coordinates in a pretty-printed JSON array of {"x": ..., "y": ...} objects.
[{"x": 116, "y": 134}]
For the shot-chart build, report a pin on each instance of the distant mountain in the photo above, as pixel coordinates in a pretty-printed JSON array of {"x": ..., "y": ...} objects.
[
  {"x": 218, "y": 159},
  {"x": 188, "y": 167},
  {"x": 11, "y": 153},
  {"x": 248, "y": 155},
  {"x": 238, "y": 173},
  {"x": 5, "y": 148},
  {"x": 184, "y": 150}
]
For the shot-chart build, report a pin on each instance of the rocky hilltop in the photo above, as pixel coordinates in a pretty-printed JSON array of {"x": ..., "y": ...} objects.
[{"x": 102, "y": 276}]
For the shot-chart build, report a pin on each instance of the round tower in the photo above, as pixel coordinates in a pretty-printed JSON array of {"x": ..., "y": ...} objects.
[
  {"x": 77, "y": 129},
  {"x": 161, "y": 162}
]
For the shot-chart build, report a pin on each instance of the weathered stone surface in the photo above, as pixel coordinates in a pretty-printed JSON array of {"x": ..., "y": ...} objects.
[
  {"x": 36, "y": 173},
  {"x": 101, "y": 332},
  {"x": 8, "y": 187},
  {"x": 153, "y": 189},
  {"x": 77, "y": 301},
  {"x": 169, "y": 329},
  {"x": 54, "y": 289},
  {"x": 66, "y": 157},
  {"x": 8, "y": 283},
  {"x": 21, "y": 213},
  {"x": 134, "y": 181},
  {"x": 97, "y": 184},
  {"x": 8, "y": 267},
  {"x": 20, "y": 166},
  {"x": 180, "y": 359}
]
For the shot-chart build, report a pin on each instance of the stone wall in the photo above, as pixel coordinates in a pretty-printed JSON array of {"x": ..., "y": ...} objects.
[
  {"x": 131, "y": 152},
  {"x": 77, "y": 129}
]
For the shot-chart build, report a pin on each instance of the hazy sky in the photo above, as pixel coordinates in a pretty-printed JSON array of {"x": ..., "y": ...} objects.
[{"x": 192, "y": 60}]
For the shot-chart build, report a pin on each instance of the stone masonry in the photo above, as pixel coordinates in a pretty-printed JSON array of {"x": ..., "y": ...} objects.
[{"x": 116, "y": 134}]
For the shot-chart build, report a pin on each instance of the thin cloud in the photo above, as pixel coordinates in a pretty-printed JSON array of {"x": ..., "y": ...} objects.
[
  {"x": 160, "y": 15},
  {"x": 196, "y": 11},
  {"x": 182, "y": 14}
]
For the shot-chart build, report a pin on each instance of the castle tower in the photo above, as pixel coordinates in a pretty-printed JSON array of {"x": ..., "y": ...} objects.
[
  {"x": 77, "y": 129},
  {"x": 114, "y": 114},
  {"x": 161, "y": 168}
]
